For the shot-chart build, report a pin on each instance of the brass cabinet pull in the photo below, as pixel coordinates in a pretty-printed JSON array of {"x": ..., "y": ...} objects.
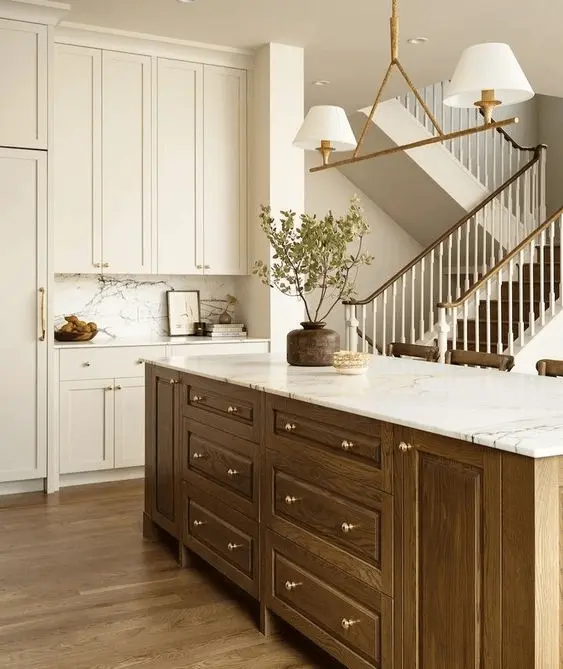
[
  {"x": 289, "y": 427},
  {"x": 347, "y": 445},
  {"x": 290, "y": 499},
  {"x": 232, "y": 409},
  {"x": 404, "y": 447},
  {"x": 198, "y": 523},
  {"x": 170, "y": 381},
  {"x": 232, "y": 472},
  {"x": 347, "y": 527},
  {"x": 291, "y": 585},
  {"x": 348, "y": 622},
  {"x": 233, "y": 547},
  {"x": 108, "y": 388},
  {"x": 198, "y": 456},
  {"x": 86, "y": 364},
  {"x": 197, "y": 398},
  {"x": 43, "y": 315}
]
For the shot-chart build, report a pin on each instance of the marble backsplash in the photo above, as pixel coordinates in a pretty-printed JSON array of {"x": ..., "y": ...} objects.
[{"x": 132, "y": 306}]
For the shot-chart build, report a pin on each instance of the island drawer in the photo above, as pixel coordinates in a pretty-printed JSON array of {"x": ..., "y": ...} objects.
[
  {"x": 309, "y": 503},
  {"x": 222, "y": 537},
  {"x": 222, "y": 464},
  {"x": 354, "y": 439},
  {"x": 230, "y": 408},
  {"x": 314, "y": 598}
]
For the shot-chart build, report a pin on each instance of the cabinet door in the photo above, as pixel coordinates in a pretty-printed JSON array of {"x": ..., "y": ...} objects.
[
  {"x": 179, "y": 174},
  {"x": 126, "y": 163},
  {"x": 76, "y": 160},
  {"x": 129, "y": 441},
  {"x": 86, "y": 417},
  {"x": 224, "y": 180},
  {"x": 162, "y": 448},
  {"x": 23, "y": 356},
  {"x": 452, "y": 554},
  {"x": 23, "y": 82}
]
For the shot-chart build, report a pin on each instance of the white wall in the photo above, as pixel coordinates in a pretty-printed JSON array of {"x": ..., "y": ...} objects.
[
  {"x": 551, "y": 133},
  {"x": 390, "y": 245},
  {"x": 548, "y": 343}
]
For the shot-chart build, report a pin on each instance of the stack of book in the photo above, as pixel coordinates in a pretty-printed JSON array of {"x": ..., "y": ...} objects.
[{"x": 225, "y": 330}]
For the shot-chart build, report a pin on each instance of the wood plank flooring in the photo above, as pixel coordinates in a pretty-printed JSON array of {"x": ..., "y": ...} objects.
[{"x": 81, "y": 589}]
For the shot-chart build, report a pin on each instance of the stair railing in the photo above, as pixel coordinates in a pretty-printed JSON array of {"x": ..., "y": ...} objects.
[
  {"x": 490, "y": 156},
  {"x": 405, "y": 307},
  {"x": 511, "y": 299}
]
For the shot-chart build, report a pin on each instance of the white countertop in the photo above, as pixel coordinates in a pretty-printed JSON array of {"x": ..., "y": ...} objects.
[
  {"x": 104, "y": 341},
  {"x": 513, "y": 412}
]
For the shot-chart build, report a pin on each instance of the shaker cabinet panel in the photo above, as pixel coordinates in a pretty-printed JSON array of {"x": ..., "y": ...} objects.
[
  {"x": 77, "y": 175},
  {"x": 23, "y": 82},
  {"x": 224, "y": 200},
  {"x": 126, "y": 163},
  {"x": 179, "y": 173},
  {"x": 129, "y": 422}
]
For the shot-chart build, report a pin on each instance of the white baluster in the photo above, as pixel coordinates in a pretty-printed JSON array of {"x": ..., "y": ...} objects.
[
  {"x": 394, "y": 312},
  {"x": 531, "y": 251},
  {"x": 364, "y": 331},
  {"x": 413, "y": 333},
  {"x": 543, "y": 212},
  {"x": 527, "y": 215},
  {"x": 485, "y": 219},
  {"x": 542, "y": 276},
  {"x": 353, "y": 329},
  {"x": 458, "y": 250},
  {"x": 477, "y": 324},
  {"x": 500, "y": 345},
  {"x": 421, "y": 306},
  {"x": 486, "y": 134},
  {"x": 403, "y": 307},
  {"x": 384, "y": 322},
  {"x": 494, "y": 234},
  {"x": 450, "y": 277},
  {"x": 552, "y": 267},
  {"x": 443, "y": 330},
  {"x": 347, "y": 317},
  {"x": 465, "y": 319},
  {"x": 441, "y": 272},
  {"x": 476, "y": 248},
  {"x": 510, "y": 314},
  {"x": 478, "y": 154},
  {"x": 494, "y": 179},
  {"x": 374, "y": 324},
  {"x": 487, "y": 315},
  {"x": 466, "y": 269},
  {"x": 521, "y": 298},
  {"x": 519, "y": 224},
  {"x": 509, "y": 216},
  {"x": 431, "y": 319},
  {"x": 454, "y": 326}
]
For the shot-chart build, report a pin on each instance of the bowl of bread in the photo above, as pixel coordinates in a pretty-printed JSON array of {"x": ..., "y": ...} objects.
[{"x": 76, "y": 330}]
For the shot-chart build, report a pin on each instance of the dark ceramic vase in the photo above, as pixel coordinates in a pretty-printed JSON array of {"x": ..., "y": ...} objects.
[{"x": 312, "y": 346}]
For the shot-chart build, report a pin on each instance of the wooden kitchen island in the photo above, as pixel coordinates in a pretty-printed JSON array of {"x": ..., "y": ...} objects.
[{"x": 409, "y": 518}]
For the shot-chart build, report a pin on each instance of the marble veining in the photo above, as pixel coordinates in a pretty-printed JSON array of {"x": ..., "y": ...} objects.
[
  {"x": 513, "y": 412},
  {"x": 134, "y": 306}
]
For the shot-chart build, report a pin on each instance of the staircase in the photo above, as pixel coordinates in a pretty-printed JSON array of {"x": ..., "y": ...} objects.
[{"x": 491, "y": 281}]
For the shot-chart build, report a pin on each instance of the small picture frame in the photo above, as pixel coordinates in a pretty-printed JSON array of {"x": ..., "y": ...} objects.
[{"x": 183, "y": 312}]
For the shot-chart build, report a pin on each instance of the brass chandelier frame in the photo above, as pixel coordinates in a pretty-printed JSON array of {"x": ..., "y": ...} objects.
[{"x": 487, "y": 104}]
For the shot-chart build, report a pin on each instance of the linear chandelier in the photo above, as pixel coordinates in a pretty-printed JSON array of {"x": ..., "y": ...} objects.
[{"x": 487, "y": 75}]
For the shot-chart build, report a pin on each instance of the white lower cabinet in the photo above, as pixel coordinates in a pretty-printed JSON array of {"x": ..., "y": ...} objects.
[{"x": 129, "y": 423}]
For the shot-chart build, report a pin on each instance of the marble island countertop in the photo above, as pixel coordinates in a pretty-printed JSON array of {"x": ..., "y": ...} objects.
[
  {"x": 103, "y": 341},
  {"x": 514, "y": 412}
]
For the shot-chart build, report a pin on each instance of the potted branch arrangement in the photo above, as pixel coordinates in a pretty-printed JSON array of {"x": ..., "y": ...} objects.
[{"x": 317, "y": 260}]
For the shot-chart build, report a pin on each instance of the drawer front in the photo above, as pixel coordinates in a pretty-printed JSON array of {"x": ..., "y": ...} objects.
[
  {"x": 226, "y": 407},
  {"x": 342, "y": 617},
  {"x": 86, "y": 363},
  {"x": 221, "y": 465},
  {"x": 354, "y": 529},
  {"x": 228, "y": 541},
  {"x": 354, "y": 439}
]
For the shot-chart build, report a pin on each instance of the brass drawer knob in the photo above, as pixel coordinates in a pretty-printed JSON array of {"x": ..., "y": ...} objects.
[
  {"x": 404, "y": 447},
  {"x": 197, "y": 398},
  {"x": 347, "y": 527},
  {"x": 119, "y": 387},
  {"x": 347, "y": 445},
  {"x": 86, "y": 364},
  {"x": 140, "y": 361},
  {"x": 348, "y": 622},
  {"x": 290, "y": 499},
  {"x": 291, "y": 585},
  {"x": 289, "y": 427},
  {"x": 198, "y": 523},
  {"x": 108, "y": 388},
  {"x": 232, "y": 472},
  {"x": 232, "y": 409},
  {"x": 198, "y": 456},
  {"x": 233, "y": 547}
]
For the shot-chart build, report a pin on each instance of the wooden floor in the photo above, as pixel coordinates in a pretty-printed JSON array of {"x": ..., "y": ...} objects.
[{"x": 81, "y": 589}]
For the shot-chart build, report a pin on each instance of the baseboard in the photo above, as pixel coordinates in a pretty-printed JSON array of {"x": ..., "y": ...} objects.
[
  {"x": 105, "y": 476},
  {"x": 19, "y": 487}
]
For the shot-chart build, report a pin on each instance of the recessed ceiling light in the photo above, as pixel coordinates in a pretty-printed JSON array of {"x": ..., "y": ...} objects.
[
  {"x": 185, "y": 2},
  {"x": 417, "y": 40},
  {"x": 321, "y": 82}
]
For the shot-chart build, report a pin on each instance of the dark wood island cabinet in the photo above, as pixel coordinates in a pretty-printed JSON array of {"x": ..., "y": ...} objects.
[{"x": 388, "y": 547}]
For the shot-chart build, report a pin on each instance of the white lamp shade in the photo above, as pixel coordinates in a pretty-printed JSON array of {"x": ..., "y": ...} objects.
[
  {"x": 325, "y": 122},
  {"x": 489, "y": 66}
]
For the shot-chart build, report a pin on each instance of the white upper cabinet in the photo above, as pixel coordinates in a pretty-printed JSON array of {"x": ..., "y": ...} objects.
[
  {"x": 77, "y": 156},
  {"x": 224, "y": 174},
  {"x": 23, "y": 83},
  {"x": 179, "y": 167},
  {"x": 126, "y": 163}
]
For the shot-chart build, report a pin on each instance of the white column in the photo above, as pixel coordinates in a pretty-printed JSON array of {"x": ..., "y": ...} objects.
[{"x": 276, "y": 178}]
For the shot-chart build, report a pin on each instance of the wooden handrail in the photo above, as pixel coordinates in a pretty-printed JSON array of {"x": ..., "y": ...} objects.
[
  {"x": 497, "y": 268},
  {"x": 535, "y": 158},
  {"x": 510, "y": 139}
]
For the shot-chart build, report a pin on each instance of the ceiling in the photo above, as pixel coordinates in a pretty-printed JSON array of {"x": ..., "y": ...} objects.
[{"x": 347, "y": 42}]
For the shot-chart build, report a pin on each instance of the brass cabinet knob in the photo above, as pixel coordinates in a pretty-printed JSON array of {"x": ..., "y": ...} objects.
[
  {"x": 232, "y": 409},
  {"x": 172, "y": 381},
  {"x": 86, "y": 364},
  {"x": 197, "y": 398},
  {"x": 289, "y": 427},
  {"x": 290, "y": 499},
  {"x": 108, "y": 388},
  {"x": 232, "y": 472},
  {"x": 233, "y": 547},
  {"x": 96, "y": 264},
  {"x": 404, "y": 447},
  {"x": 198, "y": 523},
  {"x": 140, "y": 361},
  {"x": 207, "y": 267},
  {"x": 347, "y": 445},
  {"x": 119, "y": 387},
  {"x": 348, "y": 622},
  {"x": 291, "y": 585},
  {"x": 199, "y": 266},
  {"x": 198, "y": 456},
  {"x": 347, "y": 527}
]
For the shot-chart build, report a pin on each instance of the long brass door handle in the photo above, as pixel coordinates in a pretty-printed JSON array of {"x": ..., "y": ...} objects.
[{"x": 43, "y": 314}]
